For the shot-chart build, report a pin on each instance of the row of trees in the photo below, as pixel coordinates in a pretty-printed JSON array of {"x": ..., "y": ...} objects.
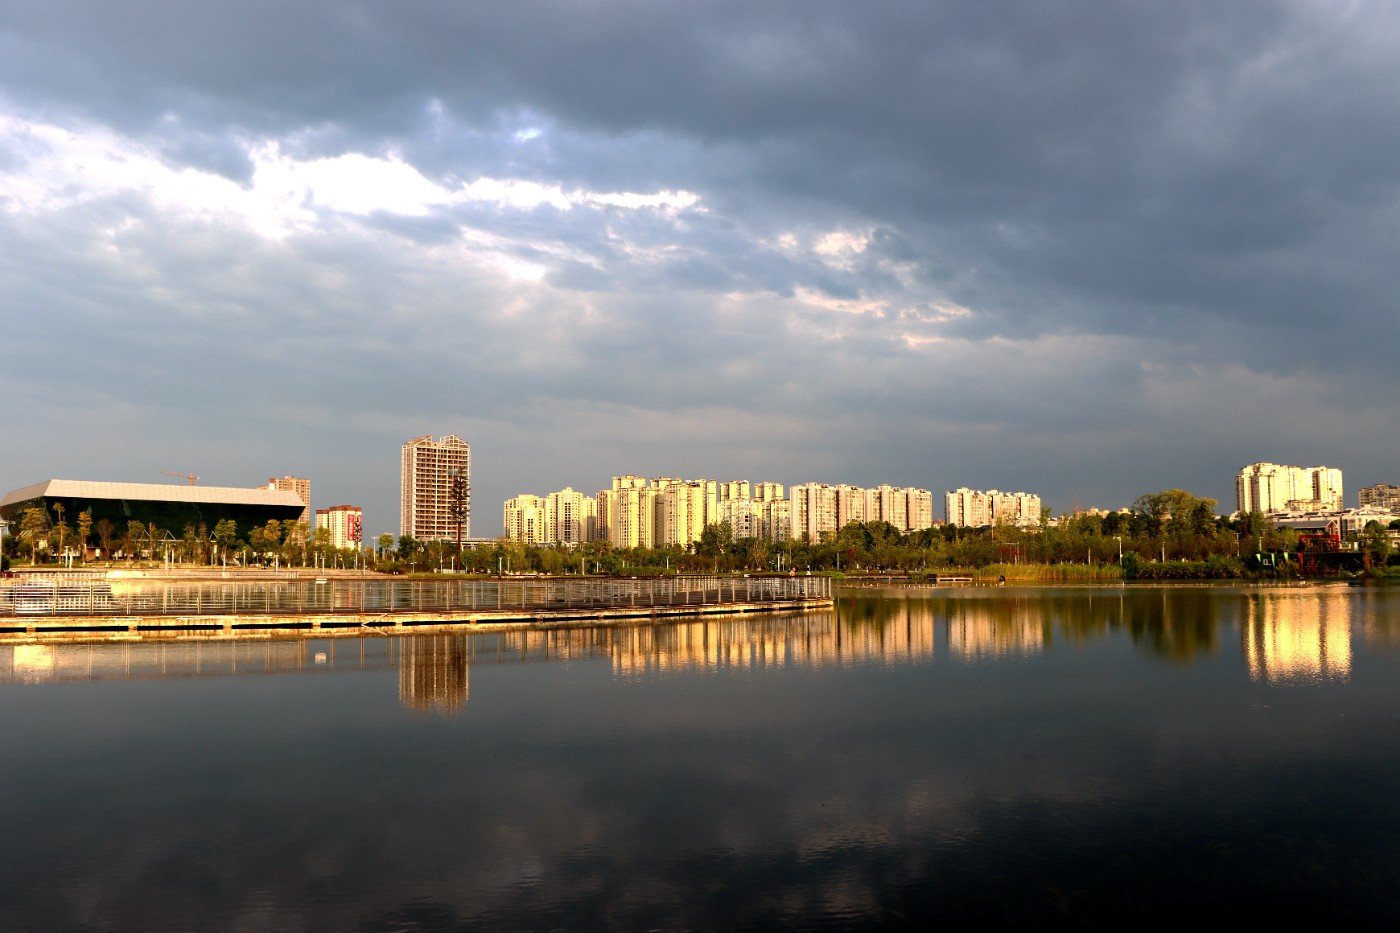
[
  {"x": 44, "y": 538},
  {"x": 1167, "y": 526}
]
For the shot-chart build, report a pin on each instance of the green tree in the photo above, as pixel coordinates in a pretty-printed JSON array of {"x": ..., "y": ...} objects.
[
  {"x": 135, "y": 534},
  {"x": 34, "y": 527},
  {"x": 59, "y": 526},
  {"x": 105, "y": 533},
  {"x": 716, "y": 540},
  {"x": 153, "y": 535},
  {"x": 84, "y": 530},
  {"x": 226, "y": 536},
  {"x": 1376, "y": 543}
]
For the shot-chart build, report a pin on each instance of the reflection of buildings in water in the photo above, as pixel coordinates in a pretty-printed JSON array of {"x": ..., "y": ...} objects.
[
  {"x": 433, "y": 672},
  {"x": 1294, "y": 638},
  {"x": 812, "y": 640},
  {"x": 555, "y": 644},
  {"x": 981, "y": 630},
  {"x": 184, "y": 659}
]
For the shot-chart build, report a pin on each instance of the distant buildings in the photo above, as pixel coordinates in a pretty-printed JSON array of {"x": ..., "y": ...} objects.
[
  {"x": 819, "y": 507},
  {"x": 636, "y": 512},
  {"x": 1379, "y": 496},
  {"x": 299, "y": 485},
  {"x": 346, "y": 524},
  {"x": 429, "y": 469},
  {"x": 969, "y": 508},
  {"x": 1271, "y": 487}
]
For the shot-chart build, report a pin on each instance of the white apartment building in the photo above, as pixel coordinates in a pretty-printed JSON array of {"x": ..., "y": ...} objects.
[
  {"x": 682, "y": 510},
  {"x": 775, "y": 520},
  {"x": 967, "y": 508},
  {"x": 1272, "y": 487},
  {"x": 755, "y": 511},
  {"x": 570, "y": 517},
  {"x": 920, "y": 508},
  {"x": 630, "y": 522},
  {"x": 428, "y": 469},
  {"x": 525, "y": 519},
  {"x": 1021, "y": 509},
  {"x": 346, "y": 524},
  {"x": 813, "y": 511},
  {"x": 736, "y": 489},
  {"x": 853, "y": 504},
  {"x": 768, "y": 492},
  {"x": 975, "y": 508},
  {"x": 744, "y": 516}
]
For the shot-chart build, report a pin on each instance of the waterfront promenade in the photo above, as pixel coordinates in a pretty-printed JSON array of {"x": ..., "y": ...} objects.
[{"x": 63, "y": 606}]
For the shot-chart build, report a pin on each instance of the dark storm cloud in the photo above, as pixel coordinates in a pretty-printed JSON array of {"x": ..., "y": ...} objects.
[{"x": 936, "y": 236}]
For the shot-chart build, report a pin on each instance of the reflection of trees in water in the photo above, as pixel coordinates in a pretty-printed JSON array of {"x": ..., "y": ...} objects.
[
  {"x": 1177, "y": 625},
  {"x": 433, "y": 672}
]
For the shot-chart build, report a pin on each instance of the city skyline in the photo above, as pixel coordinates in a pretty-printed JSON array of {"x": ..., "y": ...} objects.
[
  {"x": 1094, "y": 252},
  {"x": 439, "y": 457}
]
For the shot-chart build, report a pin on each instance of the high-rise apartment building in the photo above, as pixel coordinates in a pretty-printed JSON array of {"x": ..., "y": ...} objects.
[
  {"x": 525, "y": 519},
  {"x": 630, "y": 520},
  {"x": 429, "y": 470},
  {"x": 743, "y": 515},
  {"x": 813, "y": 511},
  {"x": 1272, "y": 487},
  {"x": 775, "y": 519},
  {"x": 734, "y": 489},
  {"x": 920, "y": 508},
  {"x": 681, "y": 510},
  {"x": 767, "y": 492},
  {"x": 570, "y": 517},
  {"x": 344, "y": 522},
  {"x": 969, "y": 508},
  {"x": 299, "y": 485}
]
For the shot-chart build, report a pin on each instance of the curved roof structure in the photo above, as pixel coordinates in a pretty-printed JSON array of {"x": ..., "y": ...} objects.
[{"x": 171, "y": 507}]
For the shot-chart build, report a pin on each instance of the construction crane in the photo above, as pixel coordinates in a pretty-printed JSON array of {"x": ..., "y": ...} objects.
[{"x": 189, "y": 476}]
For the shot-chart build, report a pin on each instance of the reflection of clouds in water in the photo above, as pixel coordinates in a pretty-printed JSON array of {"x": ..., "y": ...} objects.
[
  {"x": 817, "y": 788},
  {"x": 1298, "y": 637}
]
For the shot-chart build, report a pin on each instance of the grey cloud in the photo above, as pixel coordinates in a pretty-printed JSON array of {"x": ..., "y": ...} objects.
[{"x": 1205, "y": 186}]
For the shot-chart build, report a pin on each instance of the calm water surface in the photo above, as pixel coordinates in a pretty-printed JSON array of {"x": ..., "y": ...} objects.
[{"x": 1015, "y": 755}]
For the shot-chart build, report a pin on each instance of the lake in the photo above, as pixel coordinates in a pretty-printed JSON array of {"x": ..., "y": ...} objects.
[{"x": 1033, "y": 755}]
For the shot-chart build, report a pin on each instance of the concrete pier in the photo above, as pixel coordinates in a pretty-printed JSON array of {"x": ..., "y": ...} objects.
[{"x": 60, "y": 628}]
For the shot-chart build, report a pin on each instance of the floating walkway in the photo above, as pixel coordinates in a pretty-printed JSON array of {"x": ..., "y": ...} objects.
[{"x": 53, "y": 607}]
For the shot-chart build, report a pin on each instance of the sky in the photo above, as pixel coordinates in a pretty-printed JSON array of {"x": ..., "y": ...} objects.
[{"x": 1085, "y": 250}]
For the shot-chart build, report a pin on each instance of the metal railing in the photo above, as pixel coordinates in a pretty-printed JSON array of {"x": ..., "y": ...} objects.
[{"x": 45, "y": 594}]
